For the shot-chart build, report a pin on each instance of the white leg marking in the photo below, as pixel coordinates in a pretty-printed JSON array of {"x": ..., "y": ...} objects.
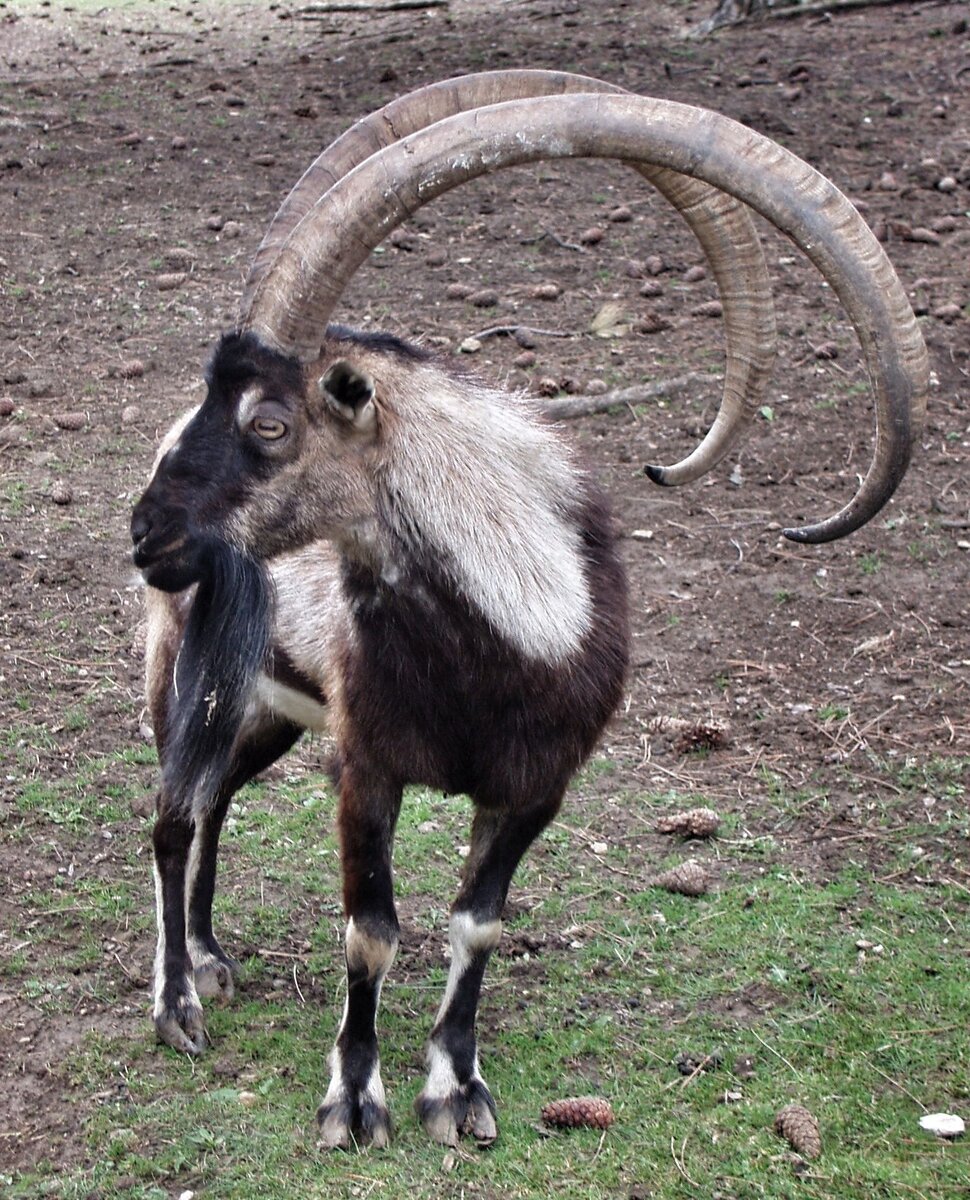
[
  {"x": 374, "y": 955},
  {"x": 191, "y": 997},
  {"x": 159, "y": 971},
  {"x": 468, "y": 937}
]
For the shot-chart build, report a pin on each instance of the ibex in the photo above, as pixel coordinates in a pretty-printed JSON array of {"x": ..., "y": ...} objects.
[{"x": 466, "y": 626}]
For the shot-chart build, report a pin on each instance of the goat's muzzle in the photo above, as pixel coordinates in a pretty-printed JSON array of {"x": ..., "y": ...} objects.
[{"x": 168, "y": 554}]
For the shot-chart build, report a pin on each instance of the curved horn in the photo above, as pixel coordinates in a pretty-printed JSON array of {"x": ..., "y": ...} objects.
[
  {"x": 294, "y": 299},
  {"x": 720, "y": 223}
]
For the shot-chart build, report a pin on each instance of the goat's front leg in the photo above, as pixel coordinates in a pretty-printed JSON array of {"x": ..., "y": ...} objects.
[
  {"x": 354, "y": 1110},
  {"x": 177, "y": 1010},
  {"x": 455, "y": 1099}
]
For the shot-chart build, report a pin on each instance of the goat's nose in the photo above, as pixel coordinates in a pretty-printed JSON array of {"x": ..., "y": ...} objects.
[{"x": 141, "y": 525}]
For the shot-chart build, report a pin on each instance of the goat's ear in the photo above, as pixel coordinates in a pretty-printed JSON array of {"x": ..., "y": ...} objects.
[{"x": 349, "y": 394}]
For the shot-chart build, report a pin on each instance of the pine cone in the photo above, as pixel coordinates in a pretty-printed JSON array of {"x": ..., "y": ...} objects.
[
  {"x": 798, "y": 1126},
  {"x": 695, "y": 823},
  {"x": 688, "y": 878},
  {"x": 591, "y": 1111},
  {"x": 700, "y": 737}
]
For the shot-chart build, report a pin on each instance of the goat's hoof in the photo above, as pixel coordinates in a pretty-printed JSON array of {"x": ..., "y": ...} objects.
[
  {"x": 214, "y": 979},
  {"x": 347, "y": 1123},
  {"x": 467, "y": 1111},
  {"x": 182, "y": 1026}
]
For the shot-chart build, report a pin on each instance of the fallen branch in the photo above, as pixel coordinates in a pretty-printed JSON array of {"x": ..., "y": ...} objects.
[
  {"x": 339, "y": 6},
  {"x": 512, "y": 330},
  {"x": 736, "y": 12},
  {"x": 553, "y": 237},
  {"x": 564, "y": 408},
  {"x": 826, "y": 6}
]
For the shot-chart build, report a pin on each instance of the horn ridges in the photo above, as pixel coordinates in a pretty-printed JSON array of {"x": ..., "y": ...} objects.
[{"x": 292, "y": 301}]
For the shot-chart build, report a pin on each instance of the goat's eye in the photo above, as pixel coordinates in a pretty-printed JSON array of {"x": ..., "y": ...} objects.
[{"x": 269, "y": 428}]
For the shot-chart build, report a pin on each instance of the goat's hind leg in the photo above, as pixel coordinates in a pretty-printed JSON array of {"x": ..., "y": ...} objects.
[
  {"x": 189, "y": 962},
  {"x": 177, "y": 1011},
  {"x": 215, "y": 970},
  {"x": 455, "y": 1099}
]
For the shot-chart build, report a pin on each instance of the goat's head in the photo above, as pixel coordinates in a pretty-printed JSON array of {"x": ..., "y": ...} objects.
[
  {"x": 271, "y": 461},
  {"x": 240, "y": 468}
]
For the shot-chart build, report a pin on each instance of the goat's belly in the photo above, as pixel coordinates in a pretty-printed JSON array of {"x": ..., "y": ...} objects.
[{"x": 296, "y": 706}]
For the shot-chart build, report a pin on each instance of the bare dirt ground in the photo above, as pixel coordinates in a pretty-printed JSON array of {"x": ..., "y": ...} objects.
[{"x": 143, "y": 150}]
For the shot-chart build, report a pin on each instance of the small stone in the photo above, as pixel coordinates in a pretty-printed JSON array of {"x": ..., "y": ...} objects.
[
  {"x": 437, "y": 258},
  {"x": 70, "y": 420},
  {"x": 130, "y": 139},
  {"x": 171, "y": 281},
  {"x": 651, "y": 288},
  {"x": 654, "y": 264},
  {"x": 744, "y": 1067},
  {"x": 61, "y": 493},
  {"x": 526, "y": 359},
  {"x": 944, "y": 1125},
  {"x": 791, "y": 94},
  {"x": 711, "y": 309},
  {"x": 40, "y": 385},
  {"x": 945, "y": 224},
  {"x": 470, "y": 345},
  {"x": 887, "y": 182},
  {"x": 695, "y": 274},
  {"x": 458, "y": 291},
  {"x": 947, "y": 184},
  {"x": 599, "y": 847},
  {"x": 484, "y": 298},
  {"x": 248, "y": 1099},
  {"x": 546, "y": 291},
  {"x": 231, "y": 229},
  {"x": 264, "y": 160},
  {"x": 947, "y": 312},
  {"x": 403, "y": 239},
  {"x": 620, "y": 215},
  {"x": 215, "y": 222},
  {"x": 179, "y": 143},
  {"x": 919, "y": 234},
  {"x": 939, "y": 111},
  {"x": 592, "y": 236},
  {"x": 596, "y": 387}
]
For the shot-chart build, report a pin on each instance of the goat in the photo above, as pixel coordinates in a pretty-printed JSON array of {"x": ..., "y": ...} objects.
[{"x": 472, "y": 632}]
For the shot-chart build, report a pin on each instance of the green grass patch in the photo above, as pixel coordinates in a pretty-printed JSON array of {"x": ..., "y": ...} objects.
[{"x": 850, "y": 997}]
